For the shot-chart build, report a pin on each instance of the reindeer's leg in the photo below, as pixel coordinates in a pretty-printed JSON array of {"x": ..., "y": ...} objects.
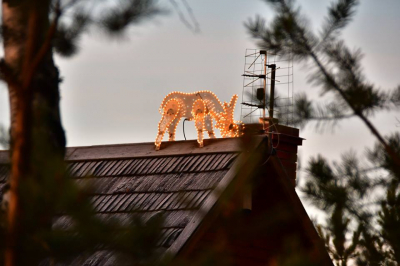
[
  {"x": 198, "y": 109},
  {"x": 209, "y": 126},
  {"x": 172, "y": 127},
  {"x": 171, "y": 110}
]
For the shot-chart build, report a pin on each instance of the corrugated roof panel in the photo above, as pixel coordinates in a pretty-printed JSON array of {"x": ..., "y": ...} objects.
[
  {"x": 161, "y": 166},
  {"x": 95, "y": 200},
  {"x": 217, "y": 161},
  {"x": 153, "y": 202},
  {"x": 109, "y": 203},
  {"x": 209, "y": 158},
  {"x": 210, "y": 179},
  {"x": 99, "y": 167},
  {"x": 4, "y": 172},
  {"x": 137, "y": 166},
  {"x": 113, "y": 203},
  {"x": 170, "y": 202},
  {"x": 164, "y": 167},
  {"x": 149, "y": 201},
  {"x": 140, "y": 202},
  {"x": 131, "y": 168},
  {"x": 115, "y": 167},
  {"x": 75, "y": 168},
  {"x": 185, "y": 200},
  {"x": 105, "y": 199},
  {"x": 178, "y": 219},
  {"x": 68, "y": 168},
  {"x": 127, "y": 184},
  {"x": 155, "y": 165},
  {"x": 127, "y": 203},
  {"x": 81, "y": 170},
  {"x": 172, "y": 164},
  {"x": 124, "y": 198},
  {"x": 211, "y": 162},
  {"x": 105, "y": 185},
  {"x": 122, "y": 167},
  {"x": 199, "y": 161},
  {"x": 95, "y": 167},
  {"x": 196, "y": 204},
  {"x": 142, "y": 169},
  {"x": 158, "y": 183},
  {"x": 173, "y": 218},
  {"x": 107, "y": 166},
  {"x": 176, "y": 181},
  {"x": 125, "y": 167},
  {"x": 134, "y": 206},
  {"x": 177, "y": 185},
  {"x": 147, "y": 182},
  {"x": 233, "y": 158},
  {"x": 195, "y": 199},
  {"x": 181, "y": 164},
  {"x": 226, "y": 160},
  {"x": 182, "y": 181},
  {"x": 163, "y": 200},
  {"x": 89, "y": 169},
  {"x": 178, "y": 201},
  {"x": 117, "y": 203},
  {"x": 195, "y": 161},
  {"x": 118, "y": 168}
]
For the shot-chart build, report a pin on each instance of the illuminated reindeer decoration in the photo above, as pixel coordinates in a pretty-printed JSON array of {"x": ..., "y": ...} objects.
[{"x": 202, "y": 107}]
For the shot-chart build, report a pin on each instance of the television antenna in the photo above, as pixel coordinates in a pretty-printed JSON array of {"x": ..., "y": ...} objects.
[{"x": 267, "y": 88}]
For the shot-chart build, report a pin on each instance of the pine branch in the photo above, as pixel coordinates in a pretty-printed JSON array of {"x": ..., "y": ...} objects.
[
  {"x": 117, "y": 19},
  {"x": 339, "y": 15}
]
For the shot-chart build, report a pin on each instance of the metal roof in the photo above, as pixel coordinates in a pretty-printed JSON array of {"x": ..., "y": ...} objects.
[{"x": 133, "y": 178}]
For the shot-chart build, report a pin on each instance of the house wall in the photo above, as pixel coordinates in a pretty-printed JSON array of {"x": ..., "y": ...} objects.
[
  {"x": 270, "y": 234},
  {"x": 276, "y": 231}
]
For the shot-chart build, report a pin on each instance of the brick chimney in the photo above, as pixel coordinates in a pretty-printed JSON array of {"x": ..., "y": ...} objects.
[{"x": 285, "y": 141}]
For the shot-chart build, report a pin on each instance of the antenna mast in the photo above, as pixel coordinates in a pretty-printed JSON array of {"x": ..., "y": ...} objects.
[{"x": 256, "y": 80}]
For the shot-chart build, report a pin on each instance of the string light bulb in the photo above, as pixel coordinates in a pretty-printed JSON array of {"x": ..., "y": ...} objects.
[{"x": 202, "y": 107}]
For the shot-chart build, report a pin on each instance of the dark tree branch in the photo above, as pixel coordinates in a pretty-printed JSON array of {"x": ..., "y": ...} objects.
[{"x": 44, "y": 49}]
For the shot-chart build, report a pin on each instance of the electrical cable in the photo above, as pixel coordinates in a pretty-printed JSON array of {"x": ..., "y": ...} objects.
[
  {"x": 184, "y": 128},
  {"x": 273, "y": 147}
]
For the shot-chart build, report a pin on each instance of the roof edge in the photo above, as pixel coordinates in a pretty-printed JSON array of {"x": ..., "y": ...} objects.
[
  {"x": 211, "y": 202},
  {"x": 145, "y": 149},
  {"x": 168, "y": 148},
  {"x": 300, "y": 211}
]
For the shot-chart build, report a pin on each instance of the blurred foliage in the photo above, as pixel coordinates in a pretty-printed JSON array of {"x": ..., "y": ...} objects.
[
  {"x": 52, "y": 195},
  {"x": 44, "y": 192},
  {"x": 113, "y": 19},
  {"x": 360, "y": 197},
  {"x": 4, "y": 138}
]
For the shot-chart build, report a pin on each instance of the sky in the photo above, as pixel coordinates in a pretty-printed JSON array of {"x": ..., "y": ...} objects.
[{"x": 113, "y": 88}]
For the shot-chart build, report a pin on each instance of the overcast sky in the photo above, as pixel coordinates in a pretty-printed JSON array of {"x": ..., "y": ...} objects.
[{"x": 113, "y": 88}]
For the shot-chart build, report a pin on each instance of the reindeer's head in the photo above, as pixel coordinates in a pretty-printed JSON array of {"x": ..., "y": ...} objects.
[{"x": 225, "y": 122}]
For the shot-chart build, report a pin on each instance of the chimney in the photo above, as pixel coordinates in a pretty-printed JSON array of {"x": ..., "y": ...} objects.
[{"x": 285, "y": 141}]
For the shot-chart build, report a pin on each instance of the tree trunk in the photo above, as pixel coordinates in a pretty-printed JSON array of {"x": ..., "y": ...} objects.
[{"x": 37, "y": 136}]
